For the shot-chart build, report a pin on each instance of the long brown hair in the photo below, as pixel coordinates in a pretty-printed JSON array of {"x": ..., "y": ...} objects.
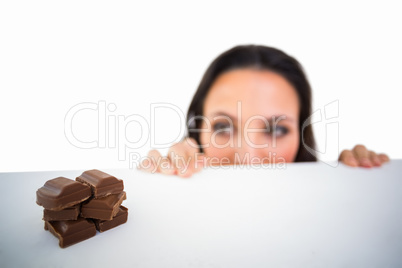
[{"x": 262, "y": 58}]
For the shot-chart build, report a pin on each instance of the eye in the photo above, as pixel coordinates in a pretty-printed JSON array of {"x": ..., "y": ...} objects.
[
  {"x": 222, "y": 128},
  {"x": 279, "y": 131}
]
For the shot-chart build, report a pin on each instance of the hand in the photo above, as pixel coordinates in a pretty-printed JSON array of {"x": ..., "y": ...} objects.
[
  {"x": 361, "y": 156},
  {"x": 183, "y": 159}
]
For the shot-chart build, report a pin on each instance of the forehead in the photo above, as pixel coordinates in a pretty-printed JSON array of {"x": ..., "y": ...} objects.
[{"x": 260, "y": 92}]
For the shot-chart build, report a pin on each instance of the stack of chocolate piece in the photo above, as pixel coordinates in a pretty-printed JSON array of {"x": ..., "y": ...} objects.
[{"x": 74, "y": 210}]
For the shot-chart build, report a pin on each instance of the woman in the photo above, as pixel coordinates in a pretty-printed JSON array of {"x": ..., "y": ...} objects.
[{"x": 250, "y": 108}]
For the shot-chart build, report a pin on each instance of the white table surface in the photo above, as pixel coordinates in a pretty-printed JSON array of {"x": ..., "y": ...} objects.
[{"x": 306, "y": 215}]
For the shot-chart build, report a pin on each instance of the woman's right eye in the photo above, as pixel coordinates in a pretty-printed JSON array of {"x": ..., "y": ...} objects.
[{"x": 222, "y": 127}]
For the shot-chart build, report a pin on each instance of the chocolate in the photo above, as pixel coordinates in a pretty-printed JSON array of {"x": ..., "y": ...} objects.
[
  {"x": 71, "y": 232},
  {"x": 103, "y": 208},
  {"x": 60, "y": 193},
  {"x": 74, "y": 210},
  {"x": 70, "y": 213},
  {"x": 120, "y": 218},
  {"x": 101, "y": 184}
]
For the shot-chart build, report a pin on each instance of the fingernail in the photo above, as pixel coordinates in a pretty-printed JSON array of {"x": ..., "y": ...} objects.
[
  {"x": 365, "y": 162},
  {"x": 376, "y": 162},
  {"x": 352, "y": 162}
]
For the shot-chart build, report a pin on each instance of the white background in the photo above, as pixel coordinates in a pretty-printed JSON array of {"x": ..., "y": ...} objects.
[{"x": 55, "y": 55}]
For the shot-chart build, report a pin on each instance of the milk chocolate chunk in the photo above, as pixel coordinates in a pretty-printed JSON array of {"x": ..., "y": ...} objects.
[
  {"x": 70, "y": 213},
  {"x": 120, "y": 218},
  {"x": 60, "y": 193},
  {"x": 102, "y": 184},
  {"x": 103, "y": 208},
  {"x": 71, "y": 232}
]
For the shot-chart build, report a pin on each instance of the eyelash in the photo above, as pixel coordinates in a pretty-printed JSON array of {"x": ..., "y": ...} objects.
[
  {"x": 225, "y": 128},
  {"x": 284, "y": 130},
  {"x": 220, "y": 127}
]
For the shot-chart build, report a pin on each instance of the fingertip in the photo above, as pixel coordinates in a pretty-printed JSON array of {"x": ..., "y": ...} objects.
[
  {"x": 383, "y": 158},
  {"x": 376, "y": 162},
  {"x": 150, "y": 168},
  {"x": 351, "y": 161},
  {"x": 144, "y": 164},
  {"x": 166, "y": 167},
  {"x": 365, "y": 162},
  {"x": 189, "y": 171},
  {"x": 186, "y": 171},
  {"x": 167, "y": 171}
]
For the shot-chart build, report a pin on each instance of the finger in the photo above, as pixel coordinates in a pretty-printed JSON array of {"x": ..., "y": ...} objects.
[
  {"x": 166, "y": 167},
  {"x": 177, "y": 156},
  {"x": 161, "y": 164},
  {"x": 348, "y": 158},
  {"x": 362, "y": 155},
  {"x": 149, "y": 164},
  {"x": 383, "y": 157},
  {"x": 200, "y": 162},
  {"x": 193, "y": 160},
  {"x": 192, "y": 154},
  {"x": 375, "y": 160}
]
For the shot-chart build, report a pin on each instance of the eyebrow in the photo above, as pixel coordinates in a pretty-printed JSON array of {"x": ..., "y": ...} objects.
[{"x": 269, "y": 119}]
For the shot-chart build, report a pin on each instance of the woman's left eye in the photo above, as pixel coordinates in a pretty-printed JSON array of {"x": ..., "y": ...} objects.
[{"x": 278, "y": 131}]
